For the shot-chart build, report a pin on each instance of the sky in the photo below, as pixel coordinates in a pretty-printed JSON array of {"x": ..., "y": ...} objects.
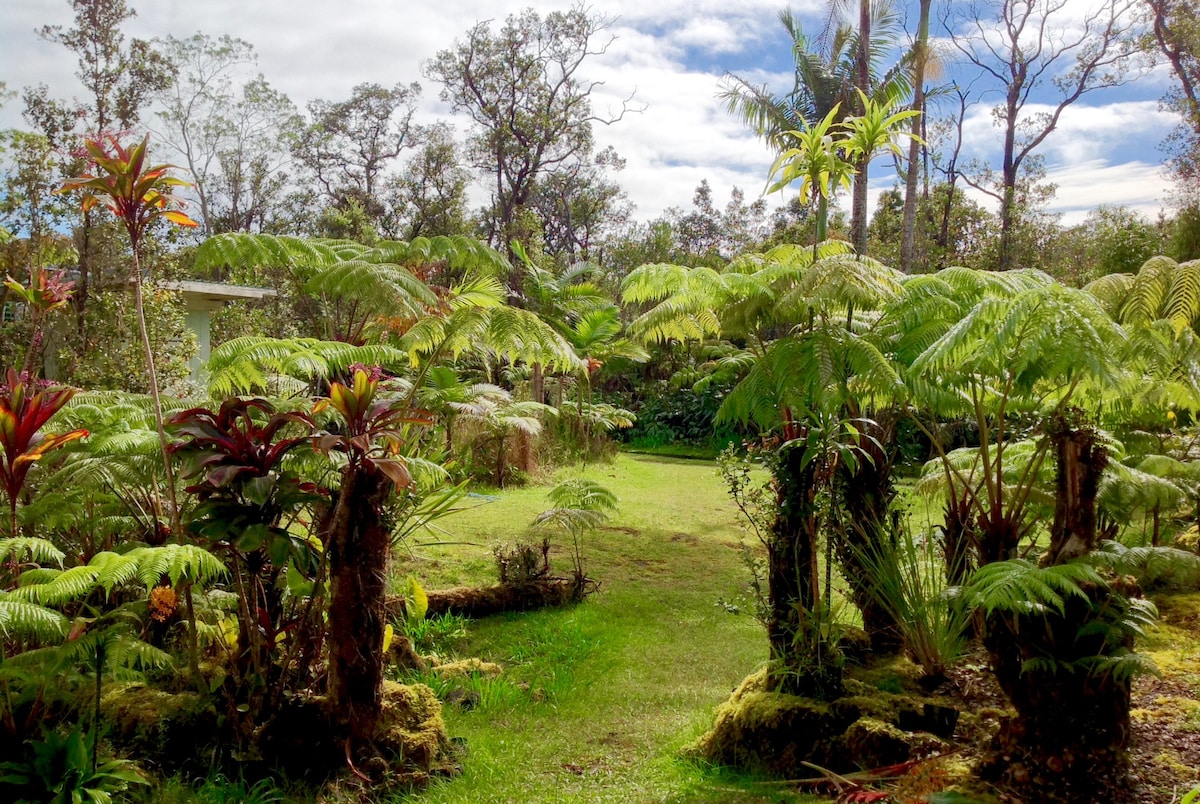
[{"x": 669, "y": 54}]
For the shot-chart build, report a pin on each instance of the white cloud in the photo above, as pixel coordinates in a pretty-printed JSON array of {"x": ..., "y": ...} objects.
[{"x": 310, "y": 50}]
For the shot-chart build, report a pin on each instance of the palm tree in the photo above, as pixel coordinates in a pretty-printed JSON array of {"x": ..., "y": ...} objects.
[
  {"x": 920, "y": 61},
  {"x": 828, "y": 69}
]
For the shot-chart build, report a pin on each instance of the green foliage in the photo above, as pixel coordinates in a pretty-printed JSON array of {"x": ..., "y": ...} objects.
[
  {"x": 1027, "y": 594},
  {"x": 181, "y": 563},
  {"x": 1153, "y": 567},
  {"x": 907, "y": 577},
  {"x": 1020, "y": 587},
  {"x": 289, "y": 365},
  {"x": 416, "y": 601},
  {"x": 29, "y": 622},
  {"x": 60, "y": 770},
  {"x": 579, "y": 505}
]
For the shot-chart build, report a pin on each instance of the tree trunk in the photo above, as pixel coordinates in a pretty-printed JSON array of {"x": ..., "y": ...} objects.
[
  {"x": 858, "y": 211},
  {"x": 358, "y": 543},
  {"x": 909, "y": 230},
  {"x": 959, "y": 534},
  {"x": 1070, "y": 727},
  {"x": 1072, "y": 714},
  {"x": 1081, "y": 459},
  {"x": 867, "y": 495},
  {"x": 803, "y": 659}
]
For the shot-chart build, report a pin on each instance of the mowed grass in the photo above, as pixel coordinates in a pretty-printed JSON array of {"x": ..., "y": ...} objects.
[{"x": 597, "y": 701}]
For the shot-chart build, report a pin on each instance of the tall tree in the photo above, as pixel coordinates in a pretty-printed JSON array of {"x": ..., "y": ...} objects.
[
  {"x": 1176, "y": 35},
  {"x": 522, "y": 88},
  {"x": 1028, "y": 48},
  {"x": 430, "y": 196},
  {"x": 349, "y": 145},
  {"x": 920, "y": 60},
  {"x": 231, "y": 138},
  {"x": 192, "y": 105}
]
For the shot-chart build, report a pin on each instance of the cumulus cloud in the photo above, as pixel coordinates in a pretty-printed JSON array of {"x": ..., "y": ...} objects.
[{"x": 672, "y": 53}]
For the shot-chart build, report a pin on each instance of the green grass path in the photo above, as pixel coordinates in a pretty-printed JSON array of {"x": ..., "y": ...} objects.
[{"x": 597, "y": 700}]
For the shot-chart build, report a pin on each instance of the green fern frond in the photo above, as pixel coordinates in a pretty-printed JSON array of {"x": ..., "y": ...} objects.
[
  {"x": 241, "y": 250},
  {"x": 1162, "y": 566},
  {"x": 21, "y": 549},
  {"x": 1020, "y": 587},
  {"x": 21, "y": 619}
]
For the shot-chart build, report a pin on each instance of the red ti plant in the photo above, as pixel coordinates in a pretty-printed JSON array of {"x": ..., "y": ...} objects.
[
  {"x": 369, "y": 432},
  {"x": 247, "y": 499},
  {"x": 137, "y": 194},
  {"x": 23, "y": 412}
]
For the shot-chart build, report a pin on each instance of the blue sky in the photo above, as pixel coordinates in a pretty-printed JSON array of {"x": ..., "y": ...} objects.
[{"x": 671, "y": 52}]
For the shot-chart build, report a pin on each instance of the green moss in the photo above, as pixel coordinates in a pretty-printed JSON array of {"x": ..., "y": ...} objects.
[
  {"x": 875, "y": 744},
  {"x": 164, "y": 727},
  {"x": 411, "y": 728},
  {"x": 468, "y": 667}
]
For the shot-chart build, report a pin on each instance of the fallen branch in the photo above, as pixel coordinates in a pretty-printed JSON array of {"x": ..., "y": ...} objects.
[{"x": 472, "y": 601}]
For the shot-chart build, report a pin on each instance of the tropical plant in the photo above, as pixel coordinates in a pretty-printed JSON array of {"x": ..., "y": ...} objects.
[
  {"x": 46, "y": 293},
  {"x": 579, "y": 505},
  {"x": 23, "y": 413},
  {"x": 248, "y": 502},
  {"x": 61, "y": 770},
  {"x": 368, "y": 436},
  {"x": 138, "y": 195},
  {"x": 820, "y": 163},
  {"x": 825, "y": 79},
  {"x": 908, "y": 578},
  {"x": 1003, "y": 350}
]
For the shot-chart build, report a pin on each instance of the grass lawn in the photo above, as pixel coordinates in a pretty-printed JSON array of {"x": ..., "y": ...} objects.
[{"x": 597, "y": 701}]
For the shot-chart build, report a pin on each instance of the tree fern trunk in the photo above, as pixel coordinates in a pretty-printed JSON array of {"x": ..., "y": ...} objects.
[
  {"x": 793, "y": 581},
  {"x": 357, "y": 552},
  {"x": 1081, "y": 459},
  {"x": 1072, "y": 712},
  {"x": 867, "y": 495}
]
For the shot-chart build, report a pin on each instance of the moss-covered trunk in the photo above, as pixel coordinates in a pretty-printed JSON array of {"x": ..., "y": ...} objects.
[
  {"x": 357, "y": 551},
  {"x": 867, "y": 493},
  {"x": 1072, "y": 720},
  {"x": 804, "y": 662}
]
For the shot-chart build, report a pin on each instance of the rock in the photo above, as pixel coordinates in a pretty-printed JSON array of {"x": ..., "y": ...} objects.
[
  {"x": 168, "y": 729},
  {"x": 404, "y": 656},
  {"x": 855, "y": 645},
  {"x": 770, "y": 731}
]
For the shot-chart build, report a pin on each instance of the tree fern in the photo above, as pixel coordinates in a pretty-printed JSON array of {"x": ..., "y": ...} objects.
[
  {"x": 1152, "y": 566},
  {"x": 1020, "y": 587},
  {"x": 23, "y": 620},
  {"x": 239, "y": 250},
  {"x": 21, "y": 549},
  {"x": 108, "y": 570}
]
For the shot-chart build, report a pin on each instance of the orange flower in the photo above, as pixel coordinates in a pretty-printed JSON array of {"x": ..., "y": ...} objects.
[{"x": 163, "y": 603}]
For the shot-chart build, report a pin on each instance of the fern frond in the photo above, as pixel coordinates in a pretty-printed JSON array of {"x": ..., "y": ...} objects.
[
  {"x": 20, "y": 619},
  {"x": 1020, "y": 587},
  {"x": 21, "y": 549}
]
